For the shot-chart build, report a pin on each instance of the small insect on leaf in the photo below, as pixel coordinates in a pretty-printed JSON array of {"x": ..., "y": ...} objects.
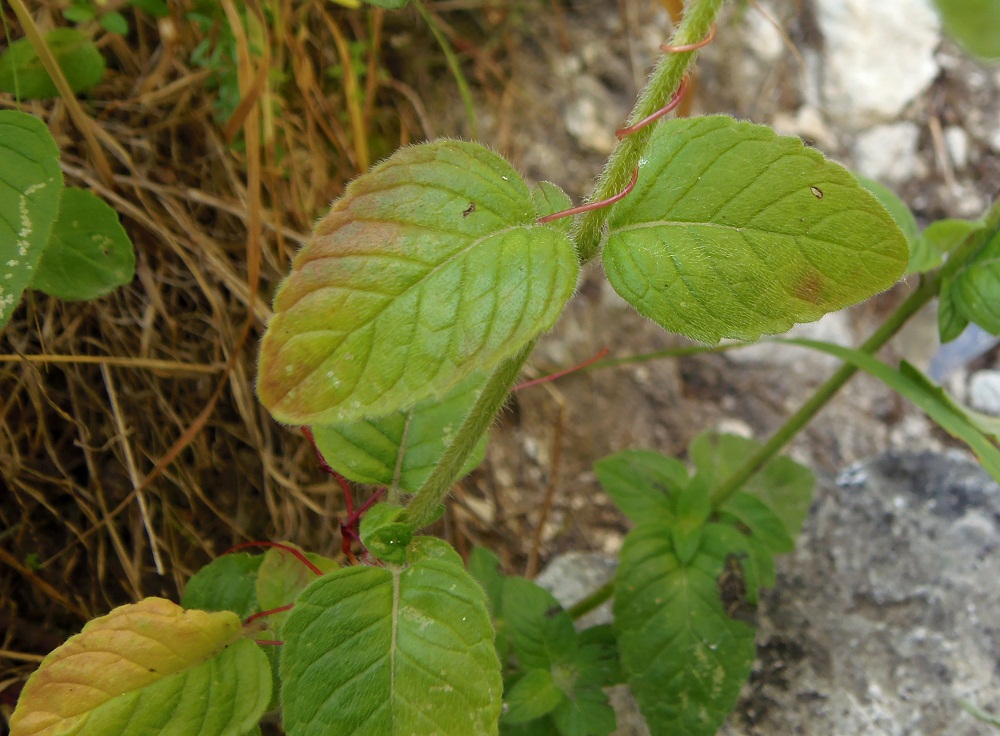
[{"x": 817, "y": 192}]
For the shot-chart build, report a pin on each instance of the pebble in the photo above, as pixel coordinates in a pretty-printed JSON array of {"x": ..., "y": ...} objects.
[{"x": 984, "y": 391}]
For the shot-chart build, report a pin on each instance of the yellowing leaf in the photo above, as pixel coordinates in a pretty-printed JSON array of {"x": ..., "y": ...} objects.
[{"x": 148, "y": 668}]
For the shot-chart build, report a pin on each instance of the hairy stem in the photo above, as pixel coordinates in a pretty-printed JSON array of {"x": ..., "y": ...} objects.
[
  {"x": 699, "y": 15},
  {"x": 929, "y": 287},
  {"x": 422, "y": 510}
]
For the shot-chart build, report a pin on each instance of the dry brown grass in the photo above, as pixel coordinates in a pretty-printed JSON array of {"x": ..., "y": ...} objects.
[{"x": 132, "y": 446}]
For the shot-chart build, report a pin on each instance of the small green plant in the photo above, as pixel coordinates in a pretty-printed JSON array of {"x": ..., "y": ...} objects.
[
  {"x": 64, "y": 241},
  {"x": 396, "y": 339}
]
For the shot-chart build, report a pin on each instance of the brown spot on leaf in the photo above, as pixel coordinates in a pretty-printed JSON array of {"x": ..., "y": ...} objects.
[
  {"x": 733, "y": 591},
  {"x": 817, "y": 192},
  {"x": 469, "y": 210},
  {"x": 809, "y": 288}
]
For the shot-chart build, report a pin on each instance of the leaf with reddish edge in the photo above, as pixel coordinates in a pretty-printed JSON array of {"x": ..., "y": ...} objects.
[
  {"x": 403, "y": 290},
  {"x": 146, "y": 669},
  {"x": 733, "y": 231}
]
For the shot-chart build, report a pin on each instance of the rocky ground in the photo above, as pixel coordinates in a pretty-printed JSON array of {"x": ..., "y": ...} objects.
[{"x": 877, "y": 87}]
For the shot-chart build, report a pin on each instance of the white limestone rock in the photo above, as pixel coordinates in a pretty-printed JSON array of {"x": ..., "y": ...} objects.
[{"x": 878, "y": 57}]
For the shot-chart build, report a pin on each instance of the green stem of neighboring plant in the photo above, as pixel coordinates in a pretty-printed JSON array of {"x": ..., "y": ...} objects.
[
  {"x": 582, "y": 607},
  {"x": 930, "y": 287},
  {"x": 423, "y": 509},
  {"x": 699, "y": 15},
  {"x": 456, "y": 69}
]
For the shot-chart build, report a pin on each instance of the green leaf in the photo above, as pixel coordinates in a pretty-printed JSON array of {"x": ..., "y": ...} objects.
[
  {"x": 391, "y": 651},
  {"x": 783, "y": 485},
  {"x": 913, "y": 385},
  {"x": 384, "y": 535},
  {"x": 549, "y": 199},
  {"x": 484, "y": 566},
  {"x": 227, "y": 583},
  {"x": 540, "y": 631},
  {"x": 401, "y": 450},
  {"x": 641, "y": 483},
  {"x": 156, "y": 8},
  {"x": 735, "y": 232},
  {"x": 940, "y": 238},
  {"x": 531, "y": 697},
  {"x": 400, "y": 295},
  {"x": 596, "y": 657},
  {"x": 147, "y": 669},
  {"x": 692, "y": 507},
  {"x": 897, "y": 208},
  {"x": 587, "y": 713},
  {"x": 281, "y": 577},
  {"x": 684, "y": 657},
  {"x": 389, "y": 4},
  {"x": 23, "y": 75},
  {"x": 951, "y": 321},
  {"x": 114, "y": 22},
  {"x": 975, "y": 24},
  {"x": 29, "y": 201},
  {"x": 761, "y": 521},
  {"x": 88, "y": 253},
  {"x": 975, "y": 290}
]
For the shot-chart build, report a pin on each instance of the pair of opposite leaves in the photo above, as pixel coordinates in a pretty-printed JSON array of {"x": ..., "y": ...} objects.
[{"x": 433, "y": 267}]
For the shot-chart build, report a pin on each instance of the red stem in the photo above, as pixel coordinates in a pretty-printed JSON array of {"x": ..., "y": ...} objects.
[
  {"x": 325, "y": 467},
  {"x": 269, "y": 642},
  {"x": 560, "y": 374},
  {"x": 690, "y": 46},
  {"x": 278, "y": 545},
  {"x": 674, "y": 102},
  {"x": 261, "y": 614},
  {"x": 593, "y": 205}
]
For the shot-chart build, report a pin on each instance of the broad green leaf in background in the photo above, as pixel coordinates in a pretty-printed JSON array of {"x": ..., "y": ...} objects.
[
  {"x": 975, "y": 24},
  {"x": 951, "y": 321},
  {"x": 389, "y": 4},
  {"x": 538, "y": 628},
  {"x": 22, "y": 73},
  {"x": 735, "y": 232},
  {"x": 227, "y": 583},
  {"x": 88, "y": 253},
  {"x": 550, "y": 199},
  {"x": 684, "y": 657},
  {"x": 641, "y": 483},
  {"x": 912, "y": 385},
  {"x": 431, "y": 267},
  {"x": 939, "y": 239},
  {"x": 531, "y": 697},
  {"x": 30, "y": 184},
  {"x": 401, "y": 450},
  {"x": 975, "y": 290},
  {"x": 393, "y": 651},
  {"x": 762, "y": 522},
  {"x": 783, "y": 485},
  {"x": 896, "y": 207},
  {"x": 151, "y": 668},
  {"x": 587, "y": 713},
  {"x": 282, "y": 576}
]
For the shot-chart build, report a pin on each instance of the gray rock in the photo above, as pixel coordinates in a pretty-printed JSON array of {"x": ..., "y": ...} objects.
[
  {"x": 887, "y": 153},
  {"x": 984, "y": 392},
  {"x": 878, "y": 56},
  {"x": 884, "y": 617}
]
